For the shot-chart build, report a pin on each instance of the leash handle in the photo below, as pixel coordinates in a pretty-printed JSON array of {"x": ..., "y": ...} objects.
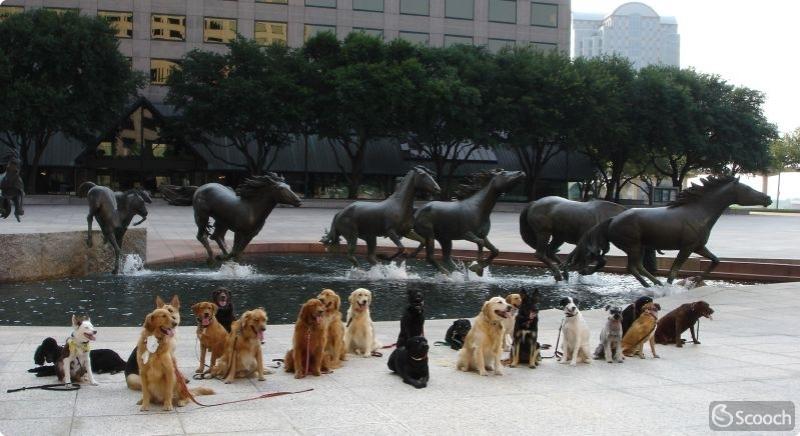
[{"x": 67, "y": 386}]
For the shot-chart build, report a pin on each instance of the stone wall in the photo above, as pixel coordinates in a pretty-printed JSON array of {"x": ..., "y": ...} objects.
[{"x": 39, "y": 256}]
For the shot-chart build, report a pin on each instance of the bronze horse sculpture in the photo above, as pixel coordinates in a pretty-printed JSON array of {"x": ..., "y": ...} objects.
[
  {"x": 547, "y": 223},
  {"x": 392, "y": 217},
  {"x": 114, "y": 212},
  {"x": 683, "y": 225},
  {"x": 12, "y": 190},
  {"x": 243, "y": 211},
  {"x": 466, "y": 219}
]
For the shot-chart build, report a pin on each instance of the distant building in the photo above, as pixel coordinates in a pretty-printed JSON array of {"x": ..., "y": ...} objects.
[{"x": 634, "y": 30}]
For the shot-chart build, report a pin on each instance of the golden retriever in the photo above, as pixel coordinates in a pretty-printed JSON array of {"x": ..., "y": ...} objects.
[
  {"x": 308, "y": 343},
  {"x": 132, "y": 379},
  {"x": 359, "y": 336},
  {"x": 211, "y": 334},
  {"x": 335, "y": 352},
  {"x": 483, "y": 345},
  {"x": 514, "y": 300},
  {"x": 242, "y": 355}
]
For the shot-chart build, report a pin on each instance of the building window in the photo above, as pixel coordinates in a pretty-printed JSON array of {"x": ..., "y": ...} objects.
[
  {"x": 278, "y": 2},
  {"x": 461, "y": 9},
  {"x": 220, "y": 30},
  {"x": 371, "y": 32},
  {"x": 415, "y": 37},
  {"x": 544, "y": 46},
  {"x": 160, "y": 69},
  {"x": 503, "y": 11},
  {"x": 169, "y": 27},
  {"x": 450, "y": 40},
  {"x": 122, "y": 22},
  {"x": 315, "y": 29},
  {"x": 368, "y": 5},
  {"x": 321, "y": 3},
  {"x": 268, "y": 32},
  {"x": 495, "y": 45},
  {"x": 544, "y": 14},
  {"x": 415, "y": 7},
  {"x": 7, "y": 11}
]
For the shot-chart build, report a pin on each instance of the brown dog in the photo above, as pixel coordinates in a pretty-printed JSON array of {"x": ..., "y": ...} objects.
[
  {"x": 335, "y": 351},
  {"x": 641, "y": 331},
  {"x": 308, "y": 344},
  {"x": 211, "y": 333},
  {"x": 514, "y": 300},
  {"x": 242, "y": 355},
  {"x": 684, "y": 317},
  {"x": 131, "y": 366}
]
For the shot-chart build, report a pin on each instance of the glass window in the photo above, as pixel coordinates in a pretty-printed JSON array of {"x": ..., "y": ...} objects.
[
  {"x": 415, "y": 37},
  {"x": 6, "y": 11},
  {"x": 450, "y": 40},
  {"x": 169, "y": 27},
  {"x": 495, "y": 45},
  {"x": 368, "y": 5},
  {"x": 321, "y": 3},
  {"x": 160, "y": 69},
  {"x": 544, "y": 46},
  {"x": 462, "y": 9},
  {"x": 313, "y": 29},
  {"x": 544, "y": 14},
  {"x": 122, "y": 22},
  {"x": 268, "y": 32},
  {"x": 280, "y": 2},
  {"x": 503, "y": 11},
  {"x": 415, "y": 7},
  {"x": 222, "y": 30},
  {"x": 370, "y": 32}
]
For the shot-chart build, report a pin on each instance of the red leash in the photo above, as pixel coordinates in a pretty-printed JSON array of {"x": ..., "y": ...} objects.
[{"x": 185, "y": 390}]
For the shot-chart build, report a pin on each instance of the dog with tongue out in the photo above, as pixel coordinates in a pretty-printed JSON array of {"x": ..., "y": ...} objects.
[{"x": 210, "y": 333}]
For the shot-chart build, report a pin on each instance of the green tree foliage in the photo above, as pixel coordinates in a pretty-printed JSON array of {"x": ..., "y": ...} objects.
[
  {"x": 785, "y": 152},
  {"x": 60, "y": 73}
]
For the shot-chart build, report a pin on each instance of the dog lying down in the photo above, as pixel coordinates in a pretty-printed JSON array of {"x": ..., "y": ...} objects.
[
  {"x": 102, "y": 360},
  {"x": 410, "y": 362}
]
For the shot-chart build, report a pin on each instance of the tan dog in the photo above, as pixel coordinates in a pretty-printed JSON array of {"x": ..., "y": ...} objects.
[
  {"x": 242, "y": 355},
  {"x": 484, "y": 342},
  {"x": 335, "y": 352},
  {"x": 641, "y": 331},
  {"x": 359, "y": 336},
  {"x": 132, "y": 379},
  {"x": 211, "y": 334},
  {"x": 308, "y": 343},
  {"x": 514, "y": 300}
]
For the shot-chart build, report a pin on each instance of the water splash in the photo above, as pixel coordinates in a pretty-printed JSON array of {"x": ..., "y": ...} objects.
[
  {"x": 133, "y": 264},
  {"x": 389, "y": 271},
  {"x": 664, "y": 291},
  {"x": 233, "y": 270}
]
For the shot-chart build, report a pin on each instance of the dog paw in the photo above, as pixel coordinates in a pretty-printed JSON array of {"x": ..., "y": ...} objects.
[
  {"x": 696, "y": 342},
  {"x": 573, "y": 364},
  {"x": 167, "y": 408},
  {"x": 261, "y": 378},
  {"x": 609, "y": 361},
  {"x": 656, "y": 356},
  {"x": 679, "y": 345},
  {"x": 94, "y": 383},
  {"x": 299, "y": 375},
  {"x": 144, "y": 409}
]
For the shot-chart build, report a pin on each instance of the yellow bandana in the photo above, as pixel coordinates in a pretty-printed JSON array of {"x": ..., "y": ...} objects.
[{"x": 74, "y": 346}]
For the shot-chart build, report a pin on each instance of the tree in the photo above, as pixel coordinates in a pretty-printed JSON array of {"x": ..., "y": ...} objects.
[
  {"x": 64, "y": 74},
  {"x": 785, "y": 152}
]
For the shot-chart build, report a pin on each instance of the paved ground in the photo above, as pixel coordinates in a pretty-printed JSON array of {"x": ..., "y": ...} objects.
[{"x": 751, "y": 351}]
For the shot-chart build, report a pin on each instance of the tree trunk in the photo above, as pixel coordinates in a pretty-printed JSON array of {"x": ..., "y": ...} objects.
[
  {"x": 34, "y": 168},
  {"x": 356, "y": 170}
]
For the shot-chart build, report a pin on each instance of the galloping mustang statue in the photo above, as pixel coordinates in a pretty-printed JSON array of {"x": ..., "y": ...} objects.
[
  {"x": 683, "y": 225},
  {"x": 12, "y": 190},
  {"x": 392, "y": 217}
]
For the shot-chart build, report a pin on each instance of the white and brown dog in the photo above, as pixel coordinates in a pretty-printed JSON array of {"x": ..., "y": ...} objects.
[
  {"x": 574, "y": 334},
  {"x": 75, "y": 361},
  {"x": 483, "y": 345},
  {"x": 359, "y": 335}
]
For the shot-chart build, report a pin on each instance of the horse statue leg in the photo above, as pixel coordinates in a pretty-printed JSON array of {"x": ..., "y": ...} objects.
[
  {"x": 542, "y": 253},
  {"x": 89, "y": 219},
  {"x": 480, "y": 263},
  {"x": 240, "y": 241},
  {"x": 219, "y": 237},
  {"x": 371, "y": 244},
  {"x": 352, "y": 243},
  {"x": 680, "y": 259},
  {"x": 111, "y": 238},
  {"x": 5, "y": 207},
  {"x": 398, "y": 241},
  {"x": 710, "y": 256},
  {"x": 636, "y": 268},
  {"x": 414, "y": 236},
  {"x": 429, "y": 248},
  {"x": 202, "y": 235}
]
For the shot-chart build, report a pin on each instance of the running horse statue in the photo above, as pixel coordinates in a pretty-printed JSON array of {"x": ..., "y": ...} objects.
[
  {"x": 547, "y": 223},
  {"x": 466, "y": 219},
  {"x": 12, "y": 190},
  {"x": 243, "y": 211},
  {"x": 392, "y": 218},
  {"x": 683, "y": 225}
]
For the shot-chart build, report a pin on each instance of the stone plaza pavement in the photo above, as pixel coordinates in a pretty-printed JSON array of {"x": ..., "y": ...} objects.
[{"x": 751, "y": 351}]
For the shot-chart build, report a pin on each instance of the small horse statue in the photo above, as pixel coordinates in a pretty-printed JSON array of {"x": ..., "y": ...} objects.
[
  {"x": 466, "y": 219},
  {"x": 547, "y": 223},
  {"x": 392, "y": 217},
  {"x": 177, "y": 195},
  {"x": 683, "y": 225},
  {"x": 114, "y": 212},
  {"x": 12, "y": 190},
  {"x": 243, "y": 211}
]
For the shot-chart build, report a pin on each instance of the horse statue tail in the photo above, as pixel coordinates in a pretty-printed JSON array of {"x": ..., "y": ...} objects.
[
  {"x": 84, "y": 188},
  {"x": 331, "y": 237},
  {"x": 178, "y": 195},
  {"x": 589, "y": 254},
  {"x": 525, "y": 230}
]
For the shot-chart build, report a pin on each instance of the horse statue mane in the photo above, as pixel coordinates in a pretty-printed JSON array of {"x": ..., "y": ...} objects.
[
  {"x": 696, "y": 192},
  {"x": 253, "y": 185},
  {"x": 475, "y": 182},
  {"x": 144, "y": 195}
]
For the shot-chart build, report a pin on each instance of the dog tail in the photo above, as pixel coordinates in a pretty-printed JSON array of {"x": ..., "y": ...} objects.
[
  {"x": 593, "y": 245},
  {"x": 134, "y": 382},
  {"x": 202, "y": 391},
  {"x": 525, "y": 230},
  {"x": 84, "y": 188}
]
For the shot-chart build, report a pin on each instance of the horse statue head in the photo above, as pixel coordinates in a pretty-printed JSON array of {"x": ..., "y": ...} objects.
[
  {"x": 11, "y": 164},
  {"x": 269, "y": 185},
  {"x": 136, "y": 200},
  {"x": 727, "y": 188},
  {"x": 423, "y": 180},
  {"x": 500, "y": 180}
]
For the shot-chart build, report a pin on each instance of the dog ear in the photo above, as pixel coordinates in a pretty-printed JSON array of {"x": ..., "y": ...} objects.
[
  {"x": 564, "y": 301},
  {"x": 148, "y": 322},
  {"x": 159, "y": 302},
  {"x": 196, "y": 308},
  {"x": 75, "y": 321},
  {"x": 214, "y": 309},
  {"x": 575, "y": 302},
  {"x": 176, "y": 302}
]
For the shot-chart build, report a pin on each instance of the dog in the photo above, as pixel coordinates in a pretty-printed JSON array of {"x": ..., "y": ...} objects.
[
  {"x": 308, "y": 344},
  {"x": 610, "y": 346},
  {"x": 225, "y": 314},
  {"x": 77, "y": 351},
  {"x": 483, "y": 345},
  {"x": 413, "y": 320},
  {"x": 155, "y": 355},
  {"x": 525, "y": 348},
  {"x": 243, "y": 356},
  {"x": 632, "y": 312},
  {"x": 457, "y": 333},
  {"x": 132, "y": 378},
  {"x": 684, "y": 317},
  {"x": 642, "y": 330},
  {"x": 410, "y": 362},
  {"x": 575, "y": 334},
  {"x": 210, "y": 333},
  {"x": 691, "y": 282},
  {"x": 102, "y": 361},
  {"x": 359, "y": 335},
  {"x": 514, "y": 300},
  {"x": 335, "y": 352}
]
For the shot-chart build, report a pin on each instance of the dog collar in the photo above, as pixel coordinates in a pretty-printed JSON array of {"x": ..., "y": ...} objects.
[
  {"x": 419, "y": 358},
  {"x": 74, "y": 346},
  {"x": 569, "y": 316}
]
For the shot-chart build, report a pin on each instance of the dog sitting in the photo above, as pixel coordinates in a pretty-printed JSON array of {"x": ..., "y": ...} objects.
[
  {"x": 243, "y": 356},
  {"x": 642, "y": 331},
  {"x": 210, "y": 333},
  {"x": 514, "y": 300},
  {"x": 575, "y": 334},
  {"x": 359, "y": 335},
  {"x": 413, "y": 320},
  {"x": 225, "y": 315},
  {"x": 132, "y": 366},
  {"x": 335, "y": 352},
  {"x": 457, "y": 333},
  {"x": 684, "y": 317},
  {"x": 75, "y": 360},
  {"x": 410, "y": 362},
  {"x": 610, "y": 346},
  {"x": 308, "y": 343},
  {"x": 483, "y": 345},
  {"x": 525, "y": 348},
  {"x": 102, "y": 360},
  {"x": 632, "y": 312}
]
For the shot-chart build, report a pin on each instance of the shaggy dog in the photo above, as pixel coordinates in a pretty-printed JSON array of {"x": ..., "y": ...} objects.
[
  {"x": 514, "y": 300},
  {"x": 210, "y": 333},
  {"x": 359, "y": 336},
  {"x": 641, "y": 331},
  {"x": 243, "y": 355},
  {"x": 225, "y": 315},
  {"x": 308, "y": 343},
  {"x": 684, "y": 317},
  {"x": 575, "y": 334},
  {"x": 610, "y": 346},
  {"x": 103, "y": 360},
  {"x": 525, "y": 348},
  {"x": 132, "y": 366},
  {"x": 484, "y": 342},
  {"x": 457, "y": 333},
  {"x": 413, "y": 320},
  {"x": 77, "y": 351},
  {"x": 411, "y": 362},
  {"x": 335, "y": 352},
  {"x": 632, "y": 312}
]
